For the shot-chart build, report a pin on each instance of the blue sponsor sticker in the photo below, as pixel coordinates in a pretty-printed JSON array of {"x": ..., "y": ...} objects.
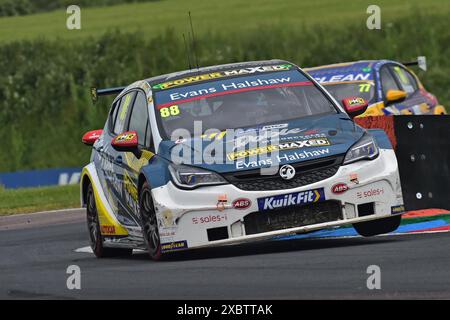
[
  {"x": 174, "y": 246},
  {"x": 291, "y": 199},
  {"x": 229, "y": 85}
]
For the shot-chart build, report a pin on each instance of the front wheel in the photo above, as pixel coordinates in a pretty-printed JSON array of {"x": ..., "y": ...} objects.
[
  {"x": 379, "y": 226},
  {"x": 149, "y": 223},
  {"x": 95, "y": 236}
]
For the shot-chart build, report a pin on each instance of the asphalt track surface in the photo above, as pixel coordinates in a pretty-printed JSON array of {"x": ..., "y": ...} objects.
[{"x": 34, "y": 260}]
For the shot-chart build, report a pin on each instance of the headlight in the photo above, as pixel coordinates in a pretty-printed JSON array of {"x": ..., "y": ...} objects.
[
  {"x": 192, "y": 177},
  {"x": 365, "y": 148}
]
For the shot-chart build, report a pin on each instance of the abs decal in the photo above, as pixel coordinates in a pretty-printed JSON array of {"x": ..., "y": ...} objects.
[
  {"x": 339, "y": 188},
  {"x": 291, "y": 199},
  {"x": 242, "y": 203}
]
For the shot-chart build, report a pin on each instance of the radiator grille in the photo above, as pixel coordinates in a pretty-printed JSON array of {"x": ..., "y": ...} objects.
[
  {"x": 307, "y": 172},
  {"x": 291, "y": 217}
]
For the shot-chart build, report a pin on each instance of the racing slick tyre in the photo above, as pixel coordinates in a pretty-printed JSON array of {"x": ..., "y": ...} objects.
[
  {"x": 150, "y": 230},
  {"x": 380, "y": 226},
  {"x": 95, "y": 236}
]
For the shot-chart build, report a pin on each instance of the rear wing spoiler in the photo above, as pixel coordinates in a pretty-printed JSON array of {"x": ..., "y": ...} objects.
[
  {"x": 421, "y": 62},
  {"x": 95, "y": 93}
]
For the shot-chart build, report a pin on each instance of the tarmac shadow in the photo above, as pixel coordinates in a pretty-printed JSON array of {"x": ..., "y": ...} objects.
[{"x": 265, "y": 247}]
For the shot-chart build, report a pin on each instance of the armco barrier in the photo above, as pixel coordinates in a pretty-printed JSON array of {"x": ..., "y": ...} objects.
[
  {"x": 36, "y": 178},
  {"x": 422, "y": 145}
]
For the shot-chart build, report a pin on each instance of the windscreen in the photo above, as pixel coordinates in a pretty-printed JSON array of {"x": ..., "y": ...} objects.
[
  {"x": 351, "y": 89},
  {"x": 240, "y": 102}
]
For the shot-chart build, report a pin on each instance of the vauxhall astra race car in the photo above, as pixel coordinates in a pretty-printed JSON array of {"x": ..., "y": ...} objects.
[
  {"x": 233, "y": 153},
  {"x": 390, "y": 87}
]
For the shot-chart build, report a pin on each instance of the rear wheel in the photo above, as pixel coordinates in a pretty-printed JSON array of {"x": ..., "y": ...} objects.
[
  {"x": 95, "y": 237},
  {"x": 149, "y": 223},
  {"x": 379, "y": 226}
]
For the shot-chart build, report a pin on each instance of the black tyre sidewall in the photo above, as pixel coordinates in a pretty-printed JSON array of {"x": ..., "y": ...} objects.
[
  {"x": 97, "y": 246},
  {"x": 154, "y": 254}
]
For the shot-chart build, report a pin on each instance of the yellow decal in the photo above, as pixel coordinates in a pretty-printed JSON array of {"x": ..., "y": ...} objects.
[
  {"x": 424, "y": 107},
  {"x": 356, "y": 101},
  {"x": 135, "y": 163},
  {"x": 439, "y": 110},
  {"x": 107, "y": 222},
  {"x": 375, "y": 109},
  {"x": 175, "y": 83},
  {"x": 125, "y": 137},
  {"x": 126, "y": 103},
  {"x": 317, "y": 195},
  {"x": 283, "y": 146},
  {"x": 170, "y": 111},
  {"x": 221, "y": 74},
  {"x": 406, "y": 111},
  {"x": 401, "y": 75},
  {"x": 364, "y": 87},
  {"x": 130, "y": 187},
  {"x": 217, "y": 135}
]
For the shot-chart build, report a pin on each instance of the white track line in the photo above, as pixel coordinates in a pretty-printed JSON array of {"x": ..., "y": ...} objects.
[{"x": 88, "y": 249}]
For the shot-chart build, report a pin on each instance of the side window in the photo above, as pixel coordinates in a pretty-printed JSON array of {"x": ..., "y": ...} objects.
[
  {"x": 113, "y": 114},
  {"x": 139, "y": 118},
  {"x": 148, "y": 135},
  {"x": 387, "y": 81},
  {"x": 122, "y": 109},
  {"x": 406, "y": 79}
]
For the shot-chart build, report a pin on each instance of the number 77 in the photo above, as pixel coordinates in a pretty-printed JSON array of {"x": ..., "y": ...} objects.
[{"x": 364, "y": 87}]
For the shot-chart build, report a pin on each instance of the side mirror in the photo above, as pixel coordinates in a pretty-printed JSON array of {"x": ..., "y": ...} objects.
[
  {"x": 395, "y": 95},
  {"x": 354, "y": 106},
  {"x": 127, "y": 142},
  {"x": 90, "y": 137}
]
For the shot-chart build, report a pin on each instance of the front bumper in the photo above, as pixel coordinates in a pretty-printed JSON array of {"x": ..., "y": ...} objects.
[{"x": 192, "y": 218}]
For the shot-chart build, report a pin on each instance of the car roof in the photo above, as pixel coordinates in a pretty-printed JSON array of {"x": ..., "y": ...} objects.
[
  {"x": 343, "y": 65},
  {"x": 222, "y": 67},
  {"x": 348, "y": 71}
]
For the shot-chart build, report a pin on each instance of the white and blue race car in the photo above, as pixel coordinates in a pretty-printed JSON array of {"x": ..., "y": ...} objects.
[{"x": 230, "y": 154}]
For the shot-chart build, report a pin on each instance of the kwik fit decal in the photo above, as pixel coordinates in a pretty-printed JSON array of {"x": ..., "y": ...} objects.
[{"x": 291, "y": 199}]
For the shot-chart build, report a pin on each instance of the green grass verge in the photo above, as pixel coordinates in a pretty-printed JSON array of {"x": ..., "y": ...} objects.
[
  {"x": 13, "y": 201},
  {"x": 45, "y": 105},
  {"x": 228, "y": 17}
]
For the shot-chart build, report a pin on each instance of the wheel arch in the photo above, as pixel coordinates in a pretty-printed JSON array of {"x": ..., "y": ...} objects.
[
  {"x": 155, "y": 173},
  {"x": 382, "y": 138},
  {"x": 85, "y": 182},
  {"x": 141, "y": 180}
]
